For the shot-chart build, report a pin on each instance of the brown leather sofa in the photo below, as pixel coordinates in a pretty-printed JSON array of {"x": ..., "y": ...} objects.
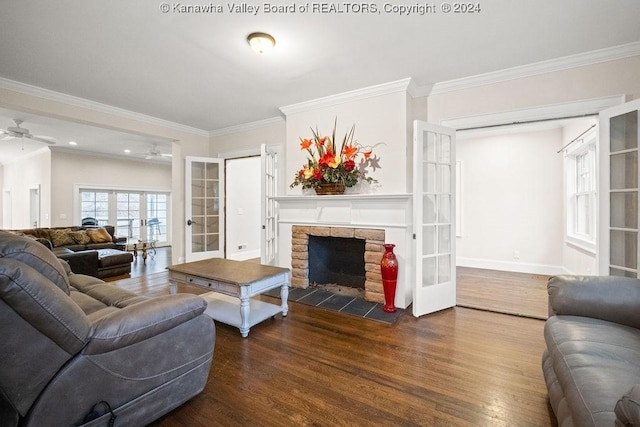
[
  {"x": 94, "y": 251},
  {"x": 78, "y": 351},
  {"x": 592, "y": 361}
]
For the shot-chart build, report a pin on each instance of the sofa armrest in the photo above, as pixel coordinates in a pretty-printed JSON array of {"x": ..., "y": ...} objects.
[
  {"x": 82, "y": 262},
  {"x": 141, "y": 321},
  {"x": 628, "y": 408},
  {"x": 610, "y": 298}
]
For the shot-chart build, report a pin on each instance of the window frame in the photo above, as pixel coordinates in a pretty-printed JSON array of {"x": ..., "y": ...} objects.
[{"x": 587, "y": 145}]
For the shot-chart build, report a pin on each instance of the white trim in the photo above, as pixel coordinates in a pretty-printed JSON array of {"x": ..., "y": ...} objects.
[
  {"x": 259, "y": 124},
  {"x": 546, "y": 112},
  {"x": 244, "y": 255},
  {"x": 354, "y": 95},
  {"x": 517, "y": 267},
  {"x": 251, "y": 152},
  {"x": 549, "y": 66},
  {"x": 95, "y": 106}
]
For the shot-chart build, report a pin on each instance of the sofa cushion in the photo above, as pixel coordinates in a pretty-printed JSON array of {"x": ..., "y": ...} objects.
[
  {"x": 61, "y": 237},
  {"x": 80, "y": 237},
  {"x": 36, "y": 255},
  {"x": 596, "y": 362},
  {"x": 99, "y": 235}
]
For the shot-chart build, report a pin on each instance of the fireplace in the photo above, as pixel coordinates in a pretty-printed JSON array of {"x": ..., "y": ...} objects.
[{"x": 343, "y": 256}]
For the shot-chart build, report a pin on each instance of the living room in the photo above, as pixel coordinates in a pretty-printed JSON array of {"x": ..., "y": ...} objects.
[{"x": 567, "y": 82}]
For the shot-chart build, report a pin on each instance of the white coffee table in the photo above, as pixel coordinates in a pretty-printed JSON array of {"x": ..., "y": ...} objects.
[{"x": 232, "y": 284}]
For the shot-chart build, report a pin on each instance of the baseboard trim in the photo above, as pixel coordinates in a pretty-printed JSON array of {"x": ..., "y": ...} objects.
[
  {"x": 518, "y": 267},
  {"x": 244, "y": 255}
]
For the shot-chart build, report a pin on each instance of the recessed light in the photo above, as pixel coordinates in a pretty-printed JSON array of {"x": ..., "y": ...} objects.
[
  {"x": 262, "y": 43},
  {"x": 127, "y": 151},
  {"x": 73, "y": 143}
]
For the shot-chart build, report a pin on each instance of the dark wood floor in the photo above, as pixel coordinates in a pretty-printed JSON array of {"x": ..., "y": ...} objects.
[{"x": 459, "y": 366}]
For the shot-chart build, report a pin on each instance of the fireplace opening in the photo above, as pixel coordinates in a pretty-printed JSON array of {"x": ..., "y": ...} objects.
[{"x": 337, "y": 260}]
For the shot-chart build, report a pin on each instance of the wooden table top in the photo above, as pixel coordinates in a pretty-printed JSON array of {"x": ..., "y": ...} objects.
[{"x": 227, "y": 270}]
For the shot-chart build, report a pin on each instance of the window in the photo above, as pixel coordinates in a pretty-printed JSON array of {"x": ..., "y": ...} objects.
[
  {"x": 581, "y": 192},
  {"x": 135, "y": 214}
]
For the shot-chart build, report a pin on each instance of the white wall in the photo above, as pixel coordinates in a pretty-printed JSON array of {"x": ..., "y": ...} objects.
[
  {"x": 69, "y": 169},
  {"x": 378, "y": 119},
  {"x": 20, "y": 176},
  {"x": 243, "y": 208},
  {"x": 512, "y": 202}
]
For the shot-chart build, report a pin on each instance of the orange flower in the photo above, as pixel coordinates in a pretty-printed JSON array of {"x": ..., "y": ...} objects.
[
  {"x": 322, "y": 140},
  {"x": 305, "y": 144},
  {"x": 326, "y": 159},
  {"x": 350, "y": 151},
  {"x": 367, "y": 154}
]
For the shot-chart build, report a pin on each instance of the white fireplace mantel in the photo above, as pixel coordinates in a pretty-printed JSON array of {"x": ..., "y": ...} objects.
[{"x": 391, "y": 212}]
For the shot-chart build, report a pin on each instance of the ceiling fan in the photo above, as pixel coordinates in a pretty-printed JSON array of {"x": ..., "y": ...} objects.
[
  {"x": 153, "y": 153},
  {"x": 20, "y": 132}
]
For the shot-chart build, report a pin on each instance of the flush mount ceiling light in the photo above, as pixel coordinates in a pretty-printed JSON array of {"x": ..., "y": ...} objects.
[{"x": 262, "y": 43}]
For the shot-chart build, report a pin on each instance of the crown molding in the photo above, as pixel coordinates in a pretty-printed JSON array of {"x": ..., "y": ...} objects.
[
  {"x": 579, "y": 108},
  {"x": 51, "y": 95},
  {"x": 552, "y": 65},
  {"x": 259, "y": 124},
  {"x": 354, "y": 95}
]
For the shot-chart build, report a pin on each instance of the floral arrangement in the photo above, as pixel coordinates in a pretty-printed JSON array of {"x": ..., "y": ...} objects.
[{"x": 327, "y": 164}]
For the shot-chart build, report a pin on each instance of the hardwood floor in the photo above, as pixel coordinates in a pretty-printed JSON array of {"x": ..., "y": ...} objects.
[
  {"x": 315, "y": 367},
  {"x": 503, "y": 292}
]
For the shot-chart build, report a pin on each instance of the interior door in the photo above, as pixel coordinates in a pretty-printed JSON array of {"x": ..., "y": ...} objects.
[
  {"x": 434, "y": 186},
  {"x": 268, "y": 244},
  {"x": 204, "y": 196},
  {"x": 619, "y": 182}
]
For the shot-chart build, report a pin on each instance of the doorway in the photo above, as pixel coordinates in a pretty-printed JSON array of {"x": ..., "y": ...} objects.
[
  {"x": 34, "y": 206},
  {"x": 243, "y": 207}
]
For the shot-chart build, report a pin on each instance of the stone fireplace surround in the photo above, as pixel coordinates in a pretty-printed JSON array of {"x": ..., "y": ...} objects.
[
  {"x": 367, "y": 213},
  {"x": 374, "y": 239}
]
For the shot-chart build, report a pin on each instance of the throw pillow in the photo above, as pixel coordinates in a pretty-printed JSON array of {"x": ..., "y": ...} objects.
[
  {"x": 99, "y": 235},
  {"x": 81, "y": 237},
  {"x": 61, "y": 237}
]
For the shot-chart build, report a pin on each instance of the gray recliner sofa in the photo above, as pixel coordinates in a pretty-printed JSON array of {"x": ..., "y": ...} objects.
[
  {"x": 77, "y": 351},
  {"x": 592, "y": 362}
]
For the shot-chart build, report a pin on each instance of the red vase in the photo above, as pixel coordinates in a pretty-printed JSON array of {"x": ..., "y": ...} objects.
[{"x": 389, "y": 270}]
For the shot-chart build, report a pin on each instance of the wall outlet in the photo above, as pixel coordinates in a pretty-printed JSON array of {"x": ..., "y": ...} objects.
[
  {"x": 516, "y": 254},
  {"x": 243, "y": 246}
]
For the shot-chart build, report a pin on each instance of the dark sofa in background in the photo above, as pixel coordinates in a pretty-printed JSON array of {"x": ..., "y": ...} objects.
[
  {"x": 71, "y": 341},
  {"x": 592, "y": 362},
  {"x": 94, "y": 251}
]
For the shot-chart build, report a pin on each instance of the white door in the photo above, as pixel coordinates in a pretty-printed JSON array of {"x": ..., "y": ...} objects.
[
  {"x": 34, "y": 206},
  {"x": 269, "y": 244},
  {"x": 434, "y": 218},
  {"x": 619, "y": 182},
  {"x": 204, "y": 210}
]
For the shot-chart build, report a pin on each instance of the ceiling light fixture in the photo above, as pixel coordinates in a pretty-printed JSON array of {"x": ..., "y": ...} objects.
[
  {"x": 262, "y": 43},
  {"x": 73, "y": 143}
]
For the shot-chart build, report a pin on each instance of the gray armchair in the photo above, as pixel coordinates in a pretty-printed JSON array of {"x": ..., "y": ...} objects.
[{"x": 72, "y": 342}]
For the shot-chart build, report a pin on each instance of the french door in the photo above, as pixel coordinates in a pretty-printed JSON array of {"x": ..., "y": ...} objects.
[
  {"x": 620, "y": 181},
  {"x": 434, "y": 218},
  {"x": 204, "y": 210},
  {"x": 268, "y": 241},
  {"x": 135, "y": 214}
]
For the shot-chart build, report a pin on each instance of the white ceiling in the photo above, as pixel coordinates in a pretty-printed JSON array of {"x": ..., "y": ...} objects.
[{"x": 196, "y": 69}]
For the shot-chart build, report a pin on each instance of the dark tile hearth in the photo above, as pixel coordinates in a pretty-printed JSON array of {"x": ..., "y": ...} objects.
[{"x": 354, "y": 306}]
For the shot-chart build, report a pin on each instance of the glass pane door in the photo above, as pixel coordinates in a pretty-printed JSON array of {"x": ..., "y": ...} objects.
[
  {"x": 205, "y": 209},
  {"x": 623, "y": 187},
  {"x": 434, "y": 219}
]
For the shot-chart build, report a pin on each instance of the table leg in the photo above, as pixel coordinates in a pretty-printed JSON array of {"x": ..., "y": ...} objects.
[
  {"x": 244, "y": 315},
  {"x": 173, "y": 287},
  {"x": 284, "y": 294}
]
